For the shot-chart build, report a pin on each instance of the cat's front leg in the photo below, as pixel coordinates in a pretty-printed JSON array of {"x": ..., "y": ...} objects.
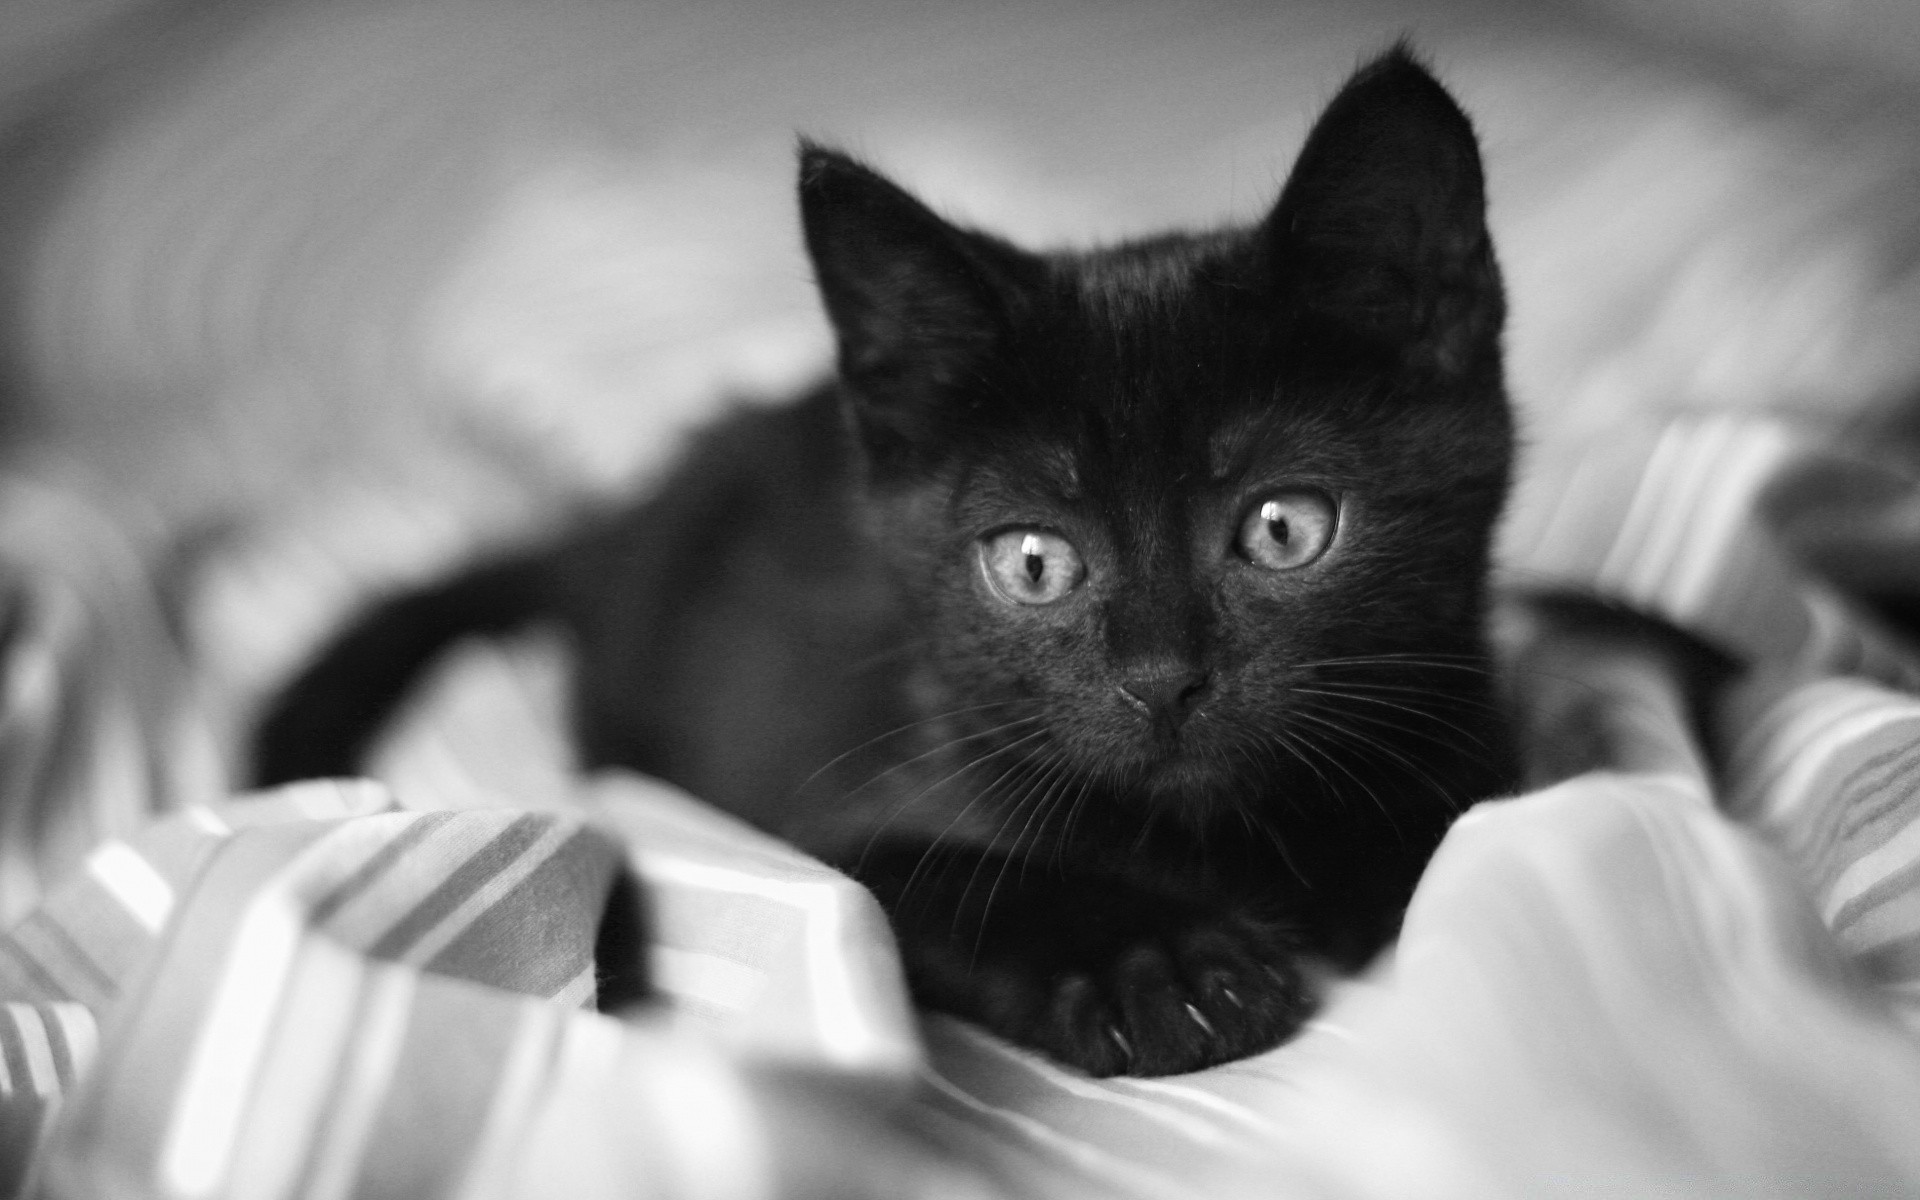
[{"x": 1102, "y": 972}]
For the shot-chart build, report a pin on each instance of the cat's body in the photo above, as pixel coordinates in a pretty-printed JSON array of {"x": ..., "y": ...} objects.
[{"x": 1117, "y": 616}]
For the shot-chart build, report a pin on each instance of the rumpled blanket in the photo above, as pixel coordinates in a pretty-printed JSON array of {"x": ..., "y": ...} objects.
[{"x": 1692, "y": 974}]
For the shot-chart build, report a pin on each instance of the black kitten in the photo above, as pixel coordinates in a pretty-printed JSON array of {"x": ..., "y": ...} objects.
[{"x": 1117, "y": 616}]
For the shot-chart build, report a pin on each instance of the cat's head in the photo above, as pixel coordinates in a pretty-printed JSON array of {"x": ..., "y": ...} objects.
[{"x": 1209, "y": 514}]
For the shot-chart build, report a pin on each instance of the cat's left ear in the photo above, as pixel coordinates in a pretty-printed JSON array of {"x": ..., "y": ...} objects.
[
  {"x": 1380, "y": 234},
  {"x": 919, "y": 304}
]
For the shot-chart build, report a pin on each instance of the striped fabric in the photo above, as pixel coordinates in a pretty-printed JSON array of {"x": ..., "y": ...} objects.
[
  {"x": 316, "y": 985},
  {"x": 1669, "y": 517},
  {"x": 1647, "y": 982},
  {"x": 1830, "y": 773}
]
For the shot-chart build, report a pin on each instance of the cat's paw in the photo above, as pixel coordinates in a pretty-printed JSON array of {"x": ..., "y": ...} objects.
[
  {"x": 1172, "y": 997},
  {"x": 1174, "y": 1002}
]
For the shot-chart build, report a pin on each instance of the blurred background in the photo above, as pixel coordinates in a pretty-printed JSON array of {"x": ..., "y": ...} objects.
[{"x": 301, "y": 298}]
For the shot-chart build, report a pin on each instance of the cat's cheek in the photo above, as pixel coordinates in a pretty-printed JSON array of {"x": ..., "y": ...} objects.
[
  {"x": 1257, "y": 630},
  {"x": 1030, "y": 634}
]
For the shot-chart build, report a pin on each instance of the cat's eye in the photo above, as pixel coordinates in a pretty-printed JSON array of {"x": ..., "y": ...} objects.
[
  {"x": 1287, "y": 530},
  {"x": 1031, "y": 566}
]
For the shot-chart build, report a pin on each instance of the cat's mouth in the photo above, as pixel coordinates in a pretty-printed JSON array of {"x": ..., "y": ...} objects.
[{"x": 1182, "y": 777}]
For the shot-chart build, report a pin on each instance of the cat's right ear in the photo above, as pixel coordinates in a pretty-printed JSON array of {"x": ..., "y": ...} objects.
[
  {"x": 1381, "y": 233},
  {"x": 918, "y": 304}
]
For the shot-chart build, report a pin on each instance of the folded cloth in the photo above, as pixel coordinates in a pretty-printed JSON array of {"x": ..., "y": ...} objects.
[
  {"x": 98, "y": 728},
  {"x": 320, "y": 991},
  {"x": 1691, "y": 974}
]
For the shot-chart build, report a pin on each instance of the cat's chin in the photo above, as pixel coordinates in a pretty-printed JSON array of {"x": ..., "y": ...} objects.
[{"x": 1189, "y": 785}]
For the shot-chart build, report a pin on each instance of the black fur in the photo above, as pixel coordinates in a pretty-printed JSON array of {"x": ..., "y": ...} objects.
[{"x": 1113, "y": 826}]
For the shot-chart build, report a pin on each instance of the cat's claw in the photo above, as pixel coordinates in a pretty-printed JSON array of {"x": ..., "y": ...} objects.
[
  {"x": 1200, "y": 1018},
  {"x": 1105, "y": 974},
  {"x": 1164, "y": 1005}
]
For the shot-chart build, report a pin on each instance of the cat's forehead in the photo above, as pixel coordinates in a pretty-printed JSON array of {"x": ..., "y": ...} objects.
[
  {"x": 1158, "y": 358},
  {"x": 1111, "y": 441},
  {"x": 1155, "y": 284},
  {"x": 1184, "y": 441}
]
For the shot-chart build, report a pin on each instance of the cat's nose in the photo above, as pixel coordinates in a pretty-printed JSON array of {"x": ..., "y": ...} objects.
[{"x": 1163, "y": 689}]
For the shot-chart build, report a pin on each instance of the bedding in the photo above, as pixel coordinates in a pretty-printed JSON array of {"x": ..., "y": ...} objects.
[
  {"x": 1665, "y": 978},
  {"x": 316, "y": 301}
]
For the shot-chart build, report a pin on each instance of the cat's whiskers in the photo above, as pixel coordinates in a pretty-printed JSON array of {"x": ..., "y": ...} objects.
[
  {"x": 1066, "y": 827},
  {"x": 1480, "y": 752},
  {"x": 1471, "y": 663},
  {"x": 909, "y": 727},
  {"x": 1336, "y": 693},
  {"x": 1055, "y": 774},
  {"x": 1100, "y": 776},
  {"x": 1051, "y": 768},
  {"x": 1416, "y": 693},
  {"x": 1262, "y": 829},
  {"x": 979, "y": 859},
  {"x": 933, "y": 847},
  {"x": 1247, "y": 745},
  {"x": 1049, "y": 805},
  {"x": 1294, "y": 744},
  {"x": 901, "y": 806},
  {"x": 1153, "y": 818},
  {"x": 944, "y": 747},
  {"x": 1371, "y": 744},
  {"x": 1023, "y": 764},
  {"x": 1338, "y": 761}
]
